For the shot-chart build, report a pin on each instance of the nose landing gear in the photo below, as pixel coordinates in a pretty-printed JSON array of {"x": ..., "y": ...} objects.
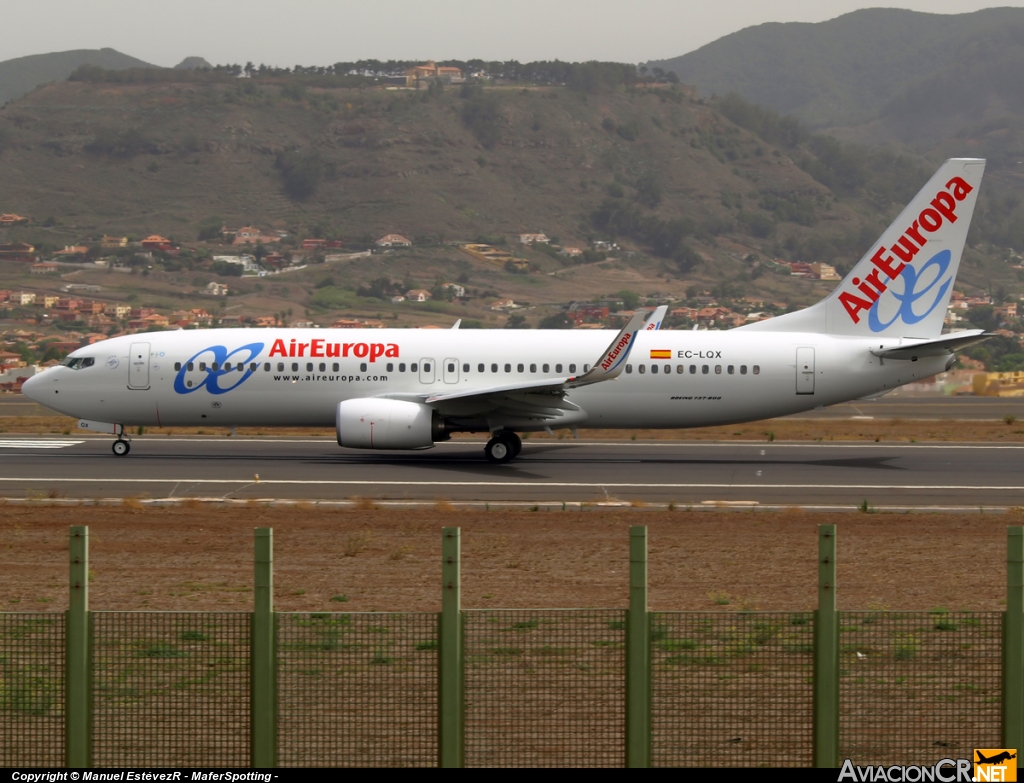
[
  {"x": 503, "y": 447},
  {"x": 122, "y": 445}
]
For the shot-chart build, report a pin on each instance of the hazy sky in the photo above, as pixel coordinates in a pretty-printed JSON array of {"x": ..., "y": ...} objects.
[{"x": 321, "y": 32}]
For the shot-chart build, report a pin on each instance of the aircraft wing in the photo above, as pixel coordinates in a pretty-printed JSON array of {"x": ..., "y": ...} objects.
[
  {"x": 947, "y": 343},
  {"x": 542, "y": 399}
]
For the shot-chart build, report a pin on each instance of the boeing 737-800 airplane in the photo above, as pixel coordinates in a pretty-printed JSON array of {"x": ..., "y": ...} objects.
[{"x": 407, "y": 388}]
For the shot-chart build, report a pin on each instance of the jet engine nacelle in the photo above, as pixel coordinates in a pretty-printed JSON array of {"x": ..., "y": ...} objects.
[{"x": 370, "y": 423}]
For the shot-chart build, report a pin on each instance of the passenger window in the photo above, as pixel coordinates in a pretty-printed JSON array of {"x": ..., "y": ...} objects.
[
  {"x": 323, "y": 367},
  {"x": 254, "y": 367},
  {"x": 426, "y": 367},
  {"x": 757, "y": 369},
  {"x": 533, "y": 368},
  {"x": 280, "y": 366},
  {"x": 412, "y": 367},
  {"x": 654, "y": 369},
  {"x": 202, "y": 366},
  {"x": 401, "y": 367},
  {"x": 693, "y": 369},
  {"x": 572, "y": 368},
  {"x": 191, "y": 366},
  {"x": 241, "y": 366},
  {"x": 732, "y": 370},
  {"x": 177, "y": 366},
  {"x": 704, "y": 369},
  {"x": 362, "y": 367},
  {"x": 718, "y": 369},
  {"x": 586, "y": 368},
  {"x": 266, "y": 367},
  {"x": 642, "y": 368},
  {"x": 494, "y": 368},
  {"x": 295, "y": 366},
  {"x": 519, "y": 368},
  {"x": 558, "y": 368},
  {"x": 481, "y": 367},
  {"x": 629, "y": 369},
  {"x": 546, "y": 368},
  {"x": 508, "y": 368},
  {"x": 215, "y": 366},
  {"x": 465, "y": 368},
  {"x": 334, "y": 367},
  {"x": 451, "y": 366},
  {"x": 391, "y": 367},
  {"x": 309, "y": 366},
  {"x": 680, "y": 369}
]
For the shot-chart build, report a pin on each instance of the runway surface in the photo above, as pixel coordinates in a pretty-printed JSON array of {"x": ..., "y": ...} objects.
[{"x": 778, "y": 474}]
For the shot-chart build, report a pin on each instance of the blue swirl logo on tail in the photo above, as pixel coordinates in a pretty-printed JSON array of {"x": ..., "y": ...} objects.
[
  {"x": 910, "y": 295},
  {"x": 212, "y": 377}
]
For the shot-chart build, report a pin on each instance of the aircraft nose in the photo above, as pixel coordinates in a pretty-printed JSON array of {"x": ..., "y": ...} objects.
[{"x": 32, "y": 388}]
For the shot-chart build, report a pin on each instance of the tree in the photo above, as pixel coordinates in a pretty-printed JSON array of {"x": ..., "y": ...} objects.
[
  {"x": 630, "y": 299},
  {"x": 516, "y": 321},
  {"x": 559, "y": 320}
]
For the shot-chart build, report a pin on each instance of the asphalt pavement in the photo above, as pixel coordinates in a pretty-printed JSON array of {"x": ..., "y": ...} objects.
[{"x": 828, "y": 475}]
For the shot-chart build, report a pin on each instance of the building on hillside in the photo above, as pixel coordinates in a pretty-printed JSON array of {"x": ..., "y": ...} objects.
[
  {"x": 157, "y": 242},
  {"x": 398, "y": 299},
  {"x": 44, "y": 268},
  {"x": 11, "y": 219},
  {"x": 314, "y": 244},
  {"x": 248, "y": 263},
  {"x": 23, "y": 298},
  {"x": 417, "y": 295},
  {"x": 71, "y": 251},
  {"x": 570, "y": 252},
  {"x": 455, "y": 289},
  {"x": 486, "y": 253},
  {"x": 430, "y": 71},
  {"x": 18, "y": 251},
  {"x": 112, "y": 243},
  {"x": 800, "y": 269},
  {"x": 604, "y": 245},
  {"x": 5, "y": 295},
  {"x": 825, "y": 272},
  {"x": 393, "y": 240},
  {"x": 529, "y": 239},
  {"x": 118, "y": 311},
  {"x": 1006, "y": 311},
  {"x": 216, "y": 289},
  {"x": 250, "y": 235},
  {"x": 502, "y": 304},
  {"x": 49, "y": 301}
]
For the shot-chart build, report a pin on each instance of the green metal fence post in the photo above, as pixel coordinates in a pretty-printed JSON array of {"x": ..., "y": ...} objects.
[
  {"x": 449, "y": 651},
  {"x": 77, "y": 665},
  {"x": 263, "y": 649},
  {"x": 826, "y": 654},
  {"x": 1013, "y": 642},
  {"x": 638, "y": 655}
]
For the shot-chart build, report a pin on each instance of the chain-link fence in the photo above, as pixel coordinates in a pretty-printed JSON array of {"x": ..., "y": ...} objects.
[
  {"x": 31, "y": 689},
  {"x": 919, "y": 686},
  {"x": 170, "y": 689},
  {"x": 357, "y": 689},
  {"x": 544, "y": 688},
  {"x": 731, "y": 689}
]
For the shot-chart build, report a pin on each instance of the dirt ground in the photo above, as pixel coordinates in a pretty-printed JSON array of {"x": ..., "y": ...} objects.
[
  {"x": 360, "y": 559},
  {"x": 879, "y": 430}
]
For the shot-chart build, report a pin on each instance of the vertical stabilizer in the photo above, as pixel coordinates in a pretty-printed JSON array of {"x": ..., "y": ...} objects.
[{"x": 901, "y": 287}]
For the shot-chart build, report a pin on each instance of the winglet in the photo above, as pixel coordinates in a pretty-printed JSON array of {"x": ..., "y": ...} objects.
[
  {"x": 613, "y": 360},
  {"x": 457, "y": 324},
  {"x": 653, "y": 323}
]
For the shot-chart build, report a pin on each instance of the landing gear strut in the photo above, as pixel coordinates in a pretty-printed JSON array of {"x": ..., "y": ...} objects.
[
  {"x": 503, "y": 447},
  {"x": 121, "y": 445}
]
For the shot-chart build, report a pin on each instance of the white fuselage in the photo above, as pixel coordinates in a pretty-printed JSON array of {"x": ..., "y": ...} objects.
[{"x": 297, "y": 377}]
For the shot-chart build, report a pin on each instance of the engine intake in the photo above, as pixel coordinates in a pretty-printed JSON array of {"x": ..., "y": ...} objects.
[{"x": 371, "y": 423}]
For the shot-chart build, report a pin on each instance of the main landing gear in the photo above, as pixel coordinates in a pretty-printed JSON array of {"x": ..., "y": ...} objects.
[{"x": 503, "y": 447}]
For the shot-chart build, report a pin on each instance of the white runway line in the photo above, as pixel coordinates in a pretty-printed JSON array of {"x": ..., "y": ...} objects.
[
  {"x": 549, "y": 484},
  {"x": 10, "y": 443}
]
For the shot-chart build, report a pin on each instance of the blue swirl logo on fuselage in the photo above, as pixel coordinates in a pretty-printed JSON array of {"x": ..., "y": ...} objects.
[
  {"x": 910, "y": 294},
  {"x": 225, "y": 368}
]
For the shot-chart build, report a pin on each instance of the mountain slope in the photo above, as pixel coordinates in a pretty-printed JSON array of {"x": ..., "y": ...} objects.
[
  {"x": 23, "y": 74},
  {"x": 846, "y": 70}
]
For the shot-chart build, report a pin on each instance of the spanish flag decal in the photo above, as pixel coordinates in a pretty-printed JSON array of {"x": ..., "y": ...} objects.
[{"x": 661, "y": 354}]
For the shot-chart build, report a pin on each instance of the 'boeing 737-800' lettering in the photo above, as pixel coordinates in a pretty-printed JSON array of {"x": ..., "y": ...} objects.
[{"x": 410, "y": 388}]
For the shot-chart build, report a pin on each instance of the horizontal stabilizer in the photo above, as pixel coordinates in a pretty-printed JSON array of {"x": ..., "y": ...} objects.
[{"x": 940, "y": 346}]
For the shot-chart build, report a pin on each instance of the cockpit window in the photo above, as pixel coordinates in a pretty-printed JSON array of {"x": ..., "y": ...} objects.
[{"x": 79, "y": 362}]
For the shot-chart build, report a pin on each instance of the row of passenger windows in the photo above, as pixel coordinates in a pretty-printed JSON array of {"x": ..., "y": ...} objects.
[
  {"x": 704, "y": 368},
  {"x": 414, "y": 367}
]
